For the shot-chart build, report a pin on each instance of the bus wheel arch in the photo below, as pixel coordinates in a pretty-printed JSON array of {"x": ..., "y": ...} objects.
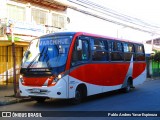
[
  {"x": 80, "y": 93},
  {"x": 129, "y": 85}
]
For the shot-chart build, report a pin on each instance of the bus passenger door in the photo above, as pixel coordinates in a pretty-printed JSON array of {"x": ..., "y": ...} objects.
[{"x": 80, "y": 58}]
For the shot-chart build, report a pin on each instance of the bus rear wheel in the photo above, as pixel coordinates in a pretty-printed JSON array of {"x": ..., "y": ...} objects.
[{"x": 128, "y": 86}]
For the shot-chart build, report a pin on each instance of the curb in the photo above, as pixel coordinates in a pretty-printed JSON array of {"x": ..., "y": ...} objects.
[
  {"x": 12, "y": 100},
  {"x": 153, "y": 78}
]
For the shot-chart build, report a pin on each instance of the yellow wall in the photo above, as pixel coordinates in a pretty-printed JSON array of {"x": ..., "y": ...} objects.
[{"x": 6, "y": 62}]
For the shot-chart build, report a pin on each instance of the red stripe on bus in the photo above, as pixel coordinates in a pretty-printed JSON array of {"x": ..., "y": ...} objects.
[
  {"x": 105, "y": 74},
  {"x": 138, "y": 68},
  {"x": 34, "y": 81}
]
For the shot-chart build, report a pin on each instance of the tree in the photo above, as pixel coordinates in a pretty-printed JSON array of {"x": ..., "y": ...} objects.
[{"x": 156, "y": 57}]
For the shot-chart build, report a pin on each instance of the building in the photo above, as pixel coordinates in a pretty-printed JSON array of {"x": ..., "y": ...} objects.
[
  {"x": 155, "y": 41},
  {"x": 155, "y": 44},
  {"x": 26, "y": 19},
  {"x": 154, "y": 65}
]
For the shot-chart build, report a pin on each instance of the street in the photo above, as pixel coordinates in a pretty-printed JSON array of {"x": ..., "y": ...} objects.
[{"x": 144, "y": 97}]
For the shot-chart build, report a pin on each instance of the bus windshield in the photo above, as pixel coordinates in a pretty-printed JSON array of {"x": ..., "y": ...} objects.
[{"x": 47, "y": 52}]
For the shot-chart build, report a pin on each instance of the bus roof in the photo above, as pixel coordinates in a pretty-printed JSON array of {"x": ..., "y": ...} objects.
[
  {"x": 59, "y": 33},
  {"x": 89, "y": 34}
]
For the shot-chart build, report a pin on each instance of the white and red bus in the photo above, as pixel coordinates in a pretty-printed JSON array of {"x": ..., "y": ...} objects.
[{"x": 73, "y": 65}]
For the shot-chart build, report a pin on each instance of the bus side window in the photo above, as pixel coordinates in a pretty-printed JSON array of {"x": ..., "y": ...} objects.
[
  {"x": 99, "y": 50},
  {"x": 140, "y": 55},
  {"x": 129, "y": 51},
  {"x": 80, "y": 52},
  {"x": 116, "y": 51}
]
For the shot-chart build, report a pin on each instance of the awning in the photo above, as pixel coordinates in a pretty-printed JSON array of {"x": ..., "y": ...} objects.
[
  {"x": 17, "y": 43},
  {"x": 49, "y": 4}
]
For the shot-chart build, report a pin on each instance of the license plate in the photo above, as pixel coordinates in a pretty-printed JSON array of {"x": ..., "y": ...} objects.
[{"x": 36, "y": 91}]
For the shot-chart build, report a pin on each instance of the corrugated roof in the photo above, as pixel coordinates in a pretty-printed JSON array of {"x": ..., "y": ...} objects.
[{"x": 49, "y": 4}]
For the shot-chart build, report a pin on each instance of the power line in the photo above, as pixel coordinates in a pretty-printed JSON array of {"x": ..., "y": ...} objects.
[
  {"x": 114, "y": 14},
  {"x": 86, "y": 2},
  {"x": 105, "y": 11}
]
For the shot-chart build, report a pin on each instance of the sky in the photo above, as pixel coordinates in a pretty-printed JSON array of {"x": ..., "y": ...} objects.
[{"x": 146, "y": 10}]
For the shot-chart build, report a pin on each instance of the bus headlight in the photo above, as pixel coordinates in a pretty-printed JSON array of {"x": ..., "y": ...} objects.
[
  {"x": 59, "y": 77},
  {"x": 21, "y": 79},
  {"x": 21, "y": 76}
]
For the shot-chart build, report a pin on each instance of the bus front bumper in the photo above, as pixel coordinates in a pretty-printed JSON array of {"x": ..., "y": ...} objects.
[{"x": 57, "y": 91}]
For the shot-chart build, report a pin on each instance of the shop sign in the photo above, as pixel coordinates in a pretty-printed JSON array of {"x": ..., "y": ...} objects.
[{"x": 23, "y": 28}]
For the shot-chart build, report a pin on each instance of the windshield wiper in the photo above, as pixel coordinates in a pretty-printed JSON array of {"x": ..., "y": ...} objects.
[
  {"x": 32, "y": 61},
  {"x": 47, "y": 60},
  {"x": 44, "y": 56}
]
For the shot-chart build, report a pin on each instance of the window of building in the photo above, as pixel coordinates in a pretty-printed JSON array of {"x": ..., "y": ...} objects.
[
  {"x": 39, "y": 16},
  {"x": 15, "y": 12},
  {"x": 58, "y": 20},
  {"x": 61, "y": 22}
]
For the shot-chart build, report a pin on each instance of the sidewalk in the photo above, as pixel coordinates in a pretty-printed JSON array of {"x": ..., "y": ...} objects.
[
  {"x": 7, "y": 95},
  {"x": 153, "y": 78}
]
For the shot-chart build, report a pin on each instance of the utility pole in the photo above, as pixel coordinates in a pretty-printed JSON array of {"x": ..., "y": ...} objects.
[{"x": 14, "y": 59}]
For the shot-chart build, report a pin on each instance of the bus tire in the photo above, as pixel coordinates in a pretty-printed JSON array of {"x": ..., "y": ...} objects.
[
  {"x": 78, "y": 97},
  {"x": 39, "y": 99},
  {"x": 128, "y": 87}
]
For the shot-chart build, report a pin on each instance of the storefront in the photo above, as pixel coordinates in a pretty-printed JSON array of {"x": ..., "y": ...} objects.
[
  {"x": 22, "y": 21},
  {"x": 6, "y": 60}
]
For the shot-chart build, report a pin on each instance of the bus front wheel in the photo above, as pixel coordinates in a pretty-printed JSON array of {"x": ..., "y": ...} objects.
[
  {"x": 78, "y": 97},
  {"x": 39, "y": 99}
]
